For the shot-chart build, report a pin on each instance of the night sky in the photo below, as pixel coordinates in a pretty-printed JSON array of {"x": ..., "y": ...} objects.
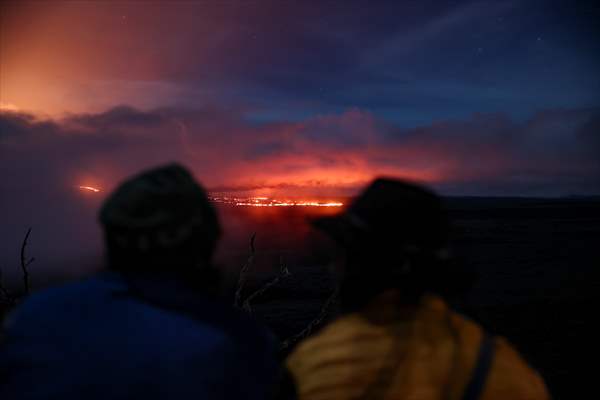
[{"x": 293, "y": 98}]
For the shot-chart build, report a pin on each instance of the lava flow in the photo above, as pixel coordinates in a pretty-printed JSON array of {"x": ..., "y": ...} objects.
[
  {"x": 89, "y": 189},
  {"x": 271, "y": 202}
]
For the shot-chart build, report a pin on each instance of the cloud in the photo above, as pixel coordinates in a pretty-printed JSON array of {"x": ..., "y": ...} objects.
[
  {"x": 226, "y": 149},
  {"x": 555, "y": 152}
]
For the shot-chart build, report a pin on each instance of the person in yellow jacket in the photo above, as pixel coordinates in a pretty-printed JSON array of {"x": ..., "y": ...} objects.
[{"x": 397, "y": 338}]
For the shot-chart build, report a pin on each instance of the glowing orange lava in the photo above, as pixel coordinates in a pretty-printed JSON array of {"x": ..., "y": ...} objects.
[
  {"x": 270, "y": 202},
  {"x": 89, "y": 189}
]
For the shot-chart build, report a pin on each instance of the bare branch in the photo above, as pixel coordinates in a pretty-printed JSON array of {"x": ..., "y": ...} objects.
[
  {"x": 244, "y": 272},
  {"x": 6, "y": 297},
  {"x": 283, "y": 273},
  {"x": 314, "y": 323},
  {"x": 25, "y": 263}
]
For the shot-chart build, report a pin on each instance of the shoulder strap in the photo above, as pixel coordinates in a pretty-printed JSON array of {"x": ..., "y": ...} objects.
[{"x": 481, "y": 370}]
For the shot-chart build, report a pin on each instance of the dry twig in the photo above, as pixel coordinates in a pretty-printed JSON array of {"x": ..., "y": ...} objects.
[
  {"x": 283, "y": 273},
  {"x": 325, "y": 310},
  {"x": 6, "y": 296},
  {"x": 25, "y": 263},
  {"x": 243, "y": 273}
]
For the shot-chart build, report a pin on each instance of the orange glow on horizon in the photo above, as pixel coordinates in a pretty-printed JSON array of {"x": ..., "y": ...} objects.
[
  {"x": 9, "y": 107},
  {"x": 272, "y": 202}
]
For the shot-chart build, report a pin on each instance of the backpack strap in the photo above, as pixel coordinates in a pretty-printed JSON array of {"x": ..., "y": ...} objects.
[{"x": 481, "y": 370}]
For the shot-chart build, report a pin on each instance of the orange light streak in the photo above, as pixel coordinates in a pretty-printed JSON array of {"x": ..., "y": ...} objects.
[
  {"x": 89, "y": 188},
  {"x": 269, "y": 202}
]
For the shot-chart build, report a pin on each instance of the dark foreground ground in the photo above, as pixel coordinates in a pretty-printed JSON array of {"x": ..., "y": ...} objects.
[{"x": 537, "y": 262}]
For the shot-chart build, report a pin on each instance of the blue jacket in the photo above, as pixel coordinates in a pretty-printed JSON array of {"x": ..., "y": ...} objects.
[{"x": 109, "y": 338}]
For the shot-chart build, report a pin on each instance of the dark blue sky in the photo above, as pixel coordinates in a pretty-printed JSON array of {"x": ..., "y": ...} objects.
[{"x": 417, "y": 62}]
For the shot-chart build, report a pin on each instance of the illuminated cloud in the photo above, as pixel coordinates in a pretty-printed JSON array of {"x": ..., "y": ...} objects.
[
  {"x": 488, "y": 154},
  {"x": 47, "y": 160}
]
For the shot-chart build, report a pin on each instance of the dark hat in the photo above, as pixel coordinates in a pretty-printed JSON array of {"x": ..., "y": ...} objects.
[
  {"x": 159, "y": 208},
  {"x": 390, "y": 213}
]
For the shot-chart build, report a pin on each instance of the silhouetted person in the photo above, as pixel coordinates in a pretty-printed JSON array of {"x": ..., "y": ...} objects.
[
  {"x": 397, "y": 338},
  {"x": 149, "y": 327}
]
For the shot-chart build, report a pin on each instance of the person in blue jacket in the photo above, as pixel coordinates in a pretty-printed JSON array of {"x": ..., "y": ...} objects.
[{"x": 150, "y": 326}]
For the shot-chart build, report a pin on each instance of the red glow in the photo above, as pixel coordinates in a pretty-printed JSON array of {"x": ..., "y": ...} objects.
[
  {"x": 271, "y": 202},
  {"x": 89, "y": 189}
]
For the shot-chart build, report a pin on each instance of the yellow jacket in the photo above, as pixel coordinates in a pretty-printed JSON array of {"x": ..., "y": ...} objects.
[{"x": 420, "y": 353}]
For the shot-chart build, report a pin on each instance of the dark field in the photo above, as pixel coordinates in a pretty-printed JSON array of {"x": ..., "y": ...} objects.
[{"x": 536, "y": 260}]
